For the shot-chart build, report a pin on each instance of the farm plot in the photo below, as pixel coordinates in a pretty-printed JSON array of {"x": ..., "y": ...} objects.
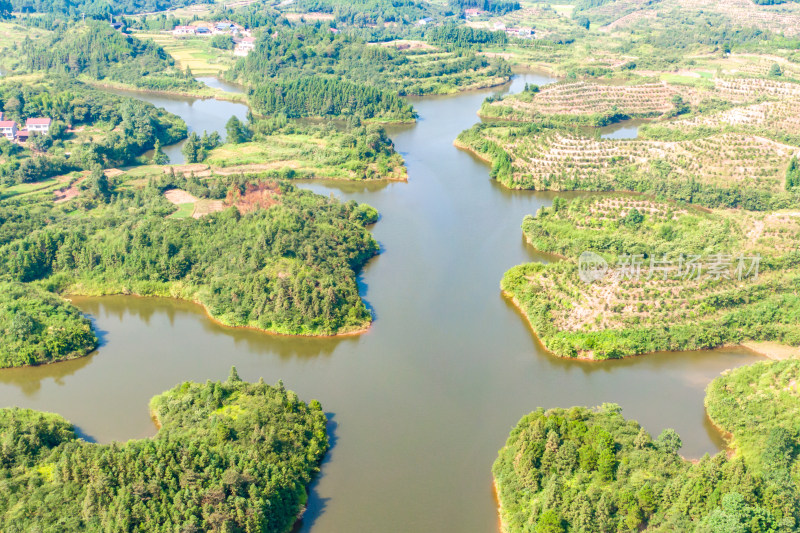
[
  {"x": 557, "y": 161},
  {"x": 748, "y": 89},
  {"x": 779, "y": 117},
  {"x": 584, "y": 98},
  {"x": 190, "y": 206},
  {"x": 649, "y": 299},
  {"x": 782, "y": 18}
]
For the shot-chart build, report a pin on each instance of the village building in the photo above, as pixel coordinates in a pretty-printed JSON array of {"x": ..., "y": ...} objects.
[
  {"x": 8, "y": 129},
  {"x": 38, "y": 125},
  {"x": 244, "y": 47},
  {"x": 425, "y": 21},
  {"x": 472, "y": 12},
  {"x": 22, "y": 135},
  {"x": 184, "y": 30},
  {"x": 524, "y": 33},
  {"x": 202, "y": 30},
  {"x": 224, "y": 27}
]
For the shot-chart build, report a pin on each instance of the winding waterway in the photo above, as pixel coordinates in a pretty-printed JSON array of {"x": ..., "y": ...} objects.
[
  {"x": 420, "y": 404},
  {"x": 201, "y": 115}
]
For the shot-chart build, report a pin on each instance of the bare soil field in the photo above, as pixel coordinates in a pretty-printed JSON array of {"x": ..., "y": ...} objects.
[
  {"x": 406, "y": 44},
  {"x": 260, "y": 196},
  {"x": 178, "y": 197}
]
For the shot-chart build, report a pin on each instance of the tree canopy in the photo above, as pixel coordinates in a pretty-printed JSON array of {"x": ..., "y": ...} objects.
[
  {"x": 229, "y": 456},
  {"x": 38, "y": 327}
]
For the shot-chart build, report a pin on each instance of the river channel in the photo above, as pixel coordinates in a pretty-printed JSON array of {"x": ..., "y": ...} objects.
[{"x": 420, "y": 404}]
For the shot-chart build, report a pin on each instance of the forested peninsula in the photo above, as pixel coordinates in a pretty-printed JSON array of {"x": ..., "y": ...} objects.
[
  {"x": 228, "y": 456},
  {"x": 38, "y": 327},
  {"x": 278, "y": 259},
  {"x": 592, "y": 470}
]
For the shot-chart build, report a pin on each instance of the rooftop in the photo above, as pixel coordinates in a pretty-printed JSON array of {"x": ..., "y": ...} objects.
[{"x": 38, "y": 121}]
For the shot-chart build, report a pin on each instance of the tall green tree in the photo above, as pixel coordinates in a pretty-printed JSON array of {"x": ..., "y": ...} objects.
[{"x": 236, "y": 131}]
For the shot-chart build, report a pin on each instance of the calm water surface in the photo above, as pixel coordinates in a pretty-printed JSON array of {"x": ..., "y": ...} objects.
[
  {"x": 216, "y": 83},
  {"x": 627, "y": 129},
  {"x": 421, "y": 403},
  {"x": 200, "y": 115}
]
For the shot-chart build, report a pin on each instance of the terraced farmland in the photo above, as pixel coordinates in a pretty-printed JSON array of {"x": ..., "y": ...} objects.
[
  {"x": 591, "y": 98},
  {"x": 560, "y": 161},
  {"x": 779, "y": 117},
  {"x": 650, "y": 298}
]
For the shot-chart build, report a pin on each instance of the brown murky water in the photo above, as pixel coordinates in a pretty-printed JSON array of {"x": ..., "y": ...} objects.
[{"x": 421, "y": 403}]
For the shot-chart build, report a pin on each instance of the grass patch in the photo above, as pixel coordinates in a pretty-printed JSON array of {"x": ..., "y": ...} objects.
[{"x": 184, "y": 211}]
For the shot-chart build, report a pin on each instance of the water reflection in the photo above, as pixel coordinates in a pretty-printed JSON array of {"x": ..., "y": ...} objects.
[
  {"x": 216, "y": 83},
  {"x": 427, "y": 396},
  {"x": 209, "y": 115},
  {"x": 627, "y": 129}
]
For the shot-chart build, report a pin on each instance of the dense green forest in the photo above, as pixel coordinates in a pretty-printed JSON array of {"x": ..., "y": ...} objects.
[
  {"x": 363, "y": 12},
  {"x": 38, "y": 327},
  {"x": 229, "y": 456},
  {"x": 495, "y": 7},
  {"x": 310, "y": 51},
  {"x": 314, "y": 72},
  {"x": 96, "y": 50},
  {"x": 569, "y": 470},
  {"x": 290, "y": 268},
  {"x": 657, "y": 303},
  {"x": 329, "y": 97},
  {"x": 452, "y": 36},
  {"x": 91, "y": 128},
  {"x": 96, "y": 8}
]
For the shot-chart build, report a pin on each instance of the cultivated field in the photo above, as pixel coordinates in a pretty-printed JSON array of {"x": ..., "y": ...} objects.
[
  {"x": 194, "y": 53},
  {"x": 591, "y": 98},
  {"x": 779, "y": 117},
  {"x": 559, "y": 161},
  {"x": 626, "y": 14},
  {"x": 650, "y": 298}
]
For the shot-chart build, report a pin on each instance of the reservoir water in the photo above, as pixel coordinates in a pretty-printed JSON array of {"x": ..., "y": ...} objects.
[
  {"x": 201, "y": 115},
  {"x": 627, "y": 129},
  {"x": 420, "y": 404},
  {"x": 216, "y": 83}
]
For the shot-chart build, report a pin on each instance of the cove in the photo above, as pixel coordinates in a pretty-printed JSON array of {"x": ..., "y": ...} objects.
[
  {"x": 199, "y": 114},
  {"x": 420, "y": 404}
]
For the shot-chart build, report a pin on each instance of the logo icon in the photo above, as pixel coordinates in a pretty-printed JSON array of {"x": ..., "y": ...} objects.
[{"x": 591, "y": 267}]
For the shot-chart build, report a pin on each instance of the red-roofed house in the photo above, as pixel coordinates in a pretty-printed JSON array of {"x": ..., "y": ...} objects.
[
  {"x": 22, "y": 135},
  {"x": 8, "y": 129},
  {"x": 184, "y": 30},
  {"x": 38, "y": 125},
  {"x": 472, "y": 12}
]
